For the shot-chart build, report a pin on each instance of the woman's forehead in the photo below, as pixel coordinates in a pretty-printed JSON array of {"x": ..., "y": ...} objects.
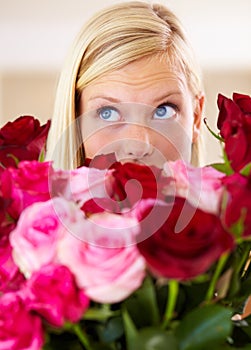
[{"x": 140, "y": 76}]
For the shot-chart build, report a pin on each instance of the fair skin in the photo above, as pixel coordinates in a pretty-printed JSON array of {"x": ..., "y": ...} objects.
[{"x": 144, "y": 112}]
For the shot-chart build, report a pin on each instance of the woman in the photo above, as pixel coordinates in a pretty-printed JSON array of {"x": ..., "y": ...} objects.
[{"x": 130, "y": 86}]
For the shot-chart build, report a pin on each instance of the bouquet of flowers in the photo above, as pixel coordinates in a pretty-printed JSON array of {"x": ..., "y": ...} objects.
[{"x": 125, "y": 256}]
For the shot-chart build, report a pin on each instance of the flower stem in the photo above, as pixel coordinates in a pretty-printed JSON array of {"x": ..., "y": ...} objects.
[
  {"x": 245, "y": 260},
  {"x": 81, "y": 336},
  {"x": 219, "y": 268},
  {"x": 173, "y": 287},
  {"x": 218, "y": 137}
]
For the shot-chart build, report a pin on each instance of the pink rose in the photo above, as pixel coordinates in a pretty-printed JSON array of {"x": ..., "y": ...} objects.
[
  {"x": 201, "y": 186},
  {"x": 52, "y": 292},
  {"x": 20, "y": 329},
  {"x": 110, "y": 267},
  {"x": 108, "y": 230},
  {"x": 26, "y": 185},
  {"x": 40, "y": 227},
  {"x": 81, "y": 184},
  {"x": 86, "y": 183}
]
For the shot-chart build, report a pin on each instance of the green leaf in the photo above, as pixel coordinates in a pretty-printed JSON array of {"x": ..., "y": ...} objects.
[
  {"x": 238, "y": 263},
  {"x": 102, "y": 347},
  {"x": 130, "y": 329},
  {"x": 155, "y": 339},
  {"x": 142, "y": 305},
  {"x": 247, "y": 330},
  {"x": 237, "y": 228},
  {"x": 62, "y": 341},
  {"x": 112, "y": 330},
  {"x": 222, "y": 167},
  {"x": 16, "y": 160},
  {"x": 245, "y": 290},
  {"x": 191, "y": 295},
  {"x": 41, "y": 156},
  {"x": 99, "y": 314},
  {"x": 204, "y": 327},
  {"x": 82, "y": 336},
  {"x": 246, "y": 170}
]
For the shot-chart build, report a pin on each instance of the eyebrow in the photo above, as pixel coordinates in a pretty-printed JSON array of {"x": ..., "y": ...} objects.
[
  {"x": 165, "y": 96},
  {"x": 104, "y": 97},
  {"x": 112, "y": 99}
]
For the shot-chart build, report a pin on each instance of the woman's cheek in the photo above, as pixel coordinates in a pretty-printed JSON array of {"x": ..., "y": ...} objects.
[{"x": 100, "y": 142}]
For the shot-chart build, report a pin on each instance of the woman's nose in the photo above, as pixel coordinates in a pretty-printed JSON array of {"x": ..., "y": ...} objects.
[{"x": 137, "y": 143}]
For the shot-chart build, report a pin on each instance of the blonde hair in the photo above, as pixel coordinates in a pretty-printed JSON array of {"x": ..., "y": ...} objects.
[{"x": 114, "y": 37}]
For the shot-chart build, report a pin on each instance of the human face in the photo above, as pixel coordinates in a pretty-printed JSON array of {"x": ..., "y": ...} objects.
[{"x": 144, "y": 112}]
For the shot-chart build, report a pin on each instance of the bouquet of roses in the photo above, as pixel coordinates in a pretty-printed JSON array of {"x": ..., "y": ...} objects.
[{"x": 125, "y": 256}]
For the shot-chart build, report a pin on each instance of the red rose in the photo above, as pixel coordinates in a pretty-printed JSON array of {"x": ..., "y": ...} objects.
[
  {"x": 134, "y": 182},
  {"x": 22, "y": 139},
  {"x": 234, "y": 122},
  {"x": 238, "y": 205},
  {"x": 99, "y": 205},
  {"x": 102, "y": 162},
  {"x": 186, "y": 245}
]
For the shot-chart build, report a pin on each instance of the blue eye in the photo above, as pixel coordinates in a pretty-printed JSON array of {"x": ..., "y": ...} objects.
[
  {"x": 165, "y": 111},
  {"x": 109, "y": 114}
]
